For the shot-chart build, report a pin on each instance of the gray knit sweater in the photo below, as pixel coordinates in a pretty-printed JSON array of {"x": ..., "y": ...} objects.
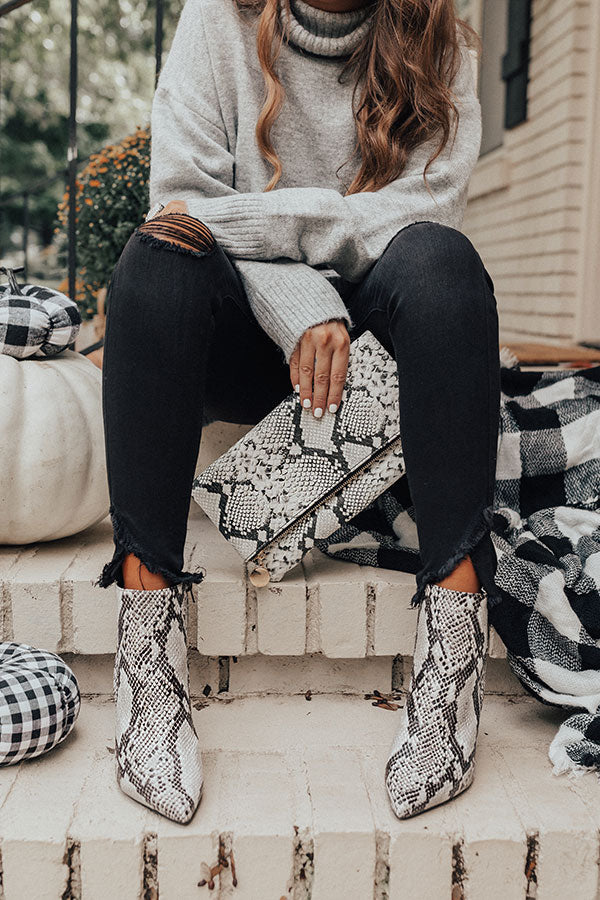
[{"x": 296, "y": 245}]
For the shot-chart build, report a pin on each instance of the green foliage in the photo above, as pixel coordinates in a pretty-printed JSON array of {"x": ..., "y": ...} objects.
[
  {"x": 112, "y": 199},
  {"x": 116, "y": 85}
]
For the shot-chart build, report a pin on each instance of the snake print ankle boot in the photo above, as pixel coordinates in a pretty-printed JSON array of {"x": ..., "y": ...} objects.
[
  {"x": 433, "y": 753},
  {"x": 158, "y": 760}
]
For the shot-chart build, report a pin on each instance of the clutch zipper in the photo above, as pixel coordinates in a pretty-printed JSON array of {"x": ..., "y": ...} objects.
[{"x": 260, "y": 574}]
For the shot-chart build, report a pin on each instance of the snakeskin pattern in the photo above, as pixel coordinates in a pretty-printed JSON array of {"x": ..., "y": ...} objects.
[
  {"x": 275, "y": 473},
  {"x": 432, "y": 757},
  {"x": 158, "y": 760}
]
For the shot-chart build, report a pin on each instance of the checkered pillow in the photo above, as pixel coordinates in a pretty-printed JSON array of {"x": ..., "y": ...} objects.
[
  {"x": 37, "y": 322},
  {"x": 39, "y": 701}
]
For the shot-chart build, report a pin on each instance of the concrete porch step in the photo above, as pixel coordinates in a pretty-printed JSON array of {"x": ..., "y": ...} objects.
[
  {"x": 294, "y": 797},
  {"x": 326, "y": 606}
]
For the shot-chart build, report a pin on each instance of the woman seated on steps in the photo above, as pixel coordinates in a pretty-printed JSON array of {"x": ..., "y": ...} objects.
[{"x": 297, "y": 213}]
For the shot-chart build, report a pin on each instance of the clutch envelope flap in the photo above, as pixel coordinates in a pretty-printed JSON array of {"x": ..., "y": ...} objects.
[{"x": 290, "y": 459}]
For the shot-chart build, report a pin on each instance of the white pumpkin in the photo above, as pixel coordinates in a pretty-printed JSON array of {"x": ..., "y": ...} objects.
[{"x": 52, "y": 458}]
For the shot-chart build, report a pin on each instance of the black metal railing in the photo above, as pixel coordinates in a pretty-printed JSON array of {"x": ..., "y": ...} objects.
[{"x": 69, "y": 172}]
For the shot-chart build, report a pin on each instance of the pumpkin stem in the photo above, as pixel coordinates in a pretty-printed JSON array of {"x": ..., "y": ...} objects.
[{"x": 12, "y": 281}]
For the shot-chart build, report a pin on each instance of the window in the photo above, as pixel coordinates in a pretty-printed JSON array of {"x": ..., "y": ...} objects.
[
  {"x": 491, "y": 87},
  {"x": 515, "y": 62},
  {"x": 504, "y": 27}
]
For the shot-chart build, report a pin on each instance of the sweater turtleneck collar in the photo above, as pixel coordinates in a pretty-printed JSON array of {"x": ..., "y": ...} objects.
[{"x": 325, "y": 33}]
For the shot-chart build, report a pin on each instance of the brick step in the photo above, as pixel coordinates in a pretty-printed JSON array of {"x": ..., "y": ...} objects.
[
  {"x": 338, "y": 609},
  {"x": 260, "y": 675},
  {"x": 295, "y": 789}
]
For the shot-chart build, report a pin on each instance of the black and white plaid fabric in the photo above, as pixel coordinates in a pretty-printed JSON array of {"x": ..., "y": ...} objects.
[
  {"x": 39, "y": 701},
  {"x": 38, "y": 322},
  {"x": 546, "y": 533}
]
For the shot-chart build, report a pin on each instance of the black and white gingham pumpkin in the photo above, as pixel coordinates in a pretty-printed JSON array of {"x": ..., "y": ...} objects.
[
  {"x": 39, "y": 701},
  {"x": 35, "y": 321}
]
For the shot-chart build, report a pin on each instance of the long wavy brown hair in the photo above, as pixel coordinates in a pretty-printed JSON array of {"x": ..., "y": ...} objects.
[{"x": 406, "y": 64}]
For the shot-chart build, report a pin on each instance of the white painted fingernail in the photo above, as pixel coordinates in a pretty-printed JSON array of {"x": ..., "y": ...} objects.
[
  {"x": 318, "y": 412},
  {"x": 332, "y": 407},
  {"x": 297, "y": 388},
  {"x": 306, "y": 403}
]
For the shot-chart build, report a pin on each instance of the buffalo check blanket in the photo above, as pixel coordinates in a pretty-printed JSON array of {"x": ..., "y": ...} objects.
[{"x": 546, "y": 533}]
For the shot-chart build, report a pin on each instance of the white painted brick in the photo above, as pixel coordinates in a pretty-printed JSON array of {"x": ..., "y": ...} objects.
[
  {"x": 566, "y": 841},
  {"x": 94, "y": 609},
  {"x": 182, "y": 849},
  {"x": 496, "y": 648},
  {"x": 9, "y": 557},
  {"x": 344, "y": 833},
  {"x": 267, "y": 724},
  {"x": 35, "y": 592},
  {"x": 8, "y": 776},
  {"x": 221, "y": 618},
  {"x": 33, "y": 868},
  {"x": 342, "y": 604},
  {"x": 425, "y": 841},
  {"x": 301, "y": 801},
  {"x": 500, "y": 679},
  {"x": 262, "y": 833},
  {"x": 495, "y": 846},
  {"x": 35, "y": 817},
  {"x": 109, "y": 824},
  {"x": 297, "y": 674},
  {"x": 560, "y": 849},
  {"x": 282, "y": 616},
  {"x": 395, "y": 620},
  {"x": 94, "y": 674},
  {"x": 221, "y": 596},
  {"x": 429, "y": 875}
]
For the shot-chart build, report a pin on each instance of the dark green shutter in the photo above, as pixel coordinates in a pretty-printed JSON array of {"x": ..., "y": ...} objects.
[{"x": 515, "y": 62}]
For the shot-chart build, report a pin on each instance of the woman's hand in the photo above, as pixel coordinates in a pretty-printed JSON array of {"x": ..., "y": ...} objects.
[{"x": 319, "y": 365}]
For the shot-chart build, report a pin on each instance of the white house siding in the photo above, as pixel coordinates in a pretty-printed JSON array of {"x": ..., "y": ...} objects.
[{"x": 524, "y": 213}]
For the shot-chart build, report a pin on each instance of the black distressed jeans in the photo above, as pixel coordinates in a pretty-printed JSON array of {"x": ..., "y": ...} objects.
[{"x": 182, "y": 344}]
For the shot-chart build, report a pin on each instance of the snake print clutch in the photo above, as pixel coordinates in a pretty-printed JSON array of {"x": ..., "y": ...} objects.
[{"x": 294, "y": 479}]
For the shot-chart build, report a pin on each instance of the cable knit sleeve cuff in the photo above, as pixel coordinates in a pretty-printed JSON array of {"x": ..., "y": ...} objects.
[
  {"x": 288, "y": 297},
  {"x": 238, "y": 223}
]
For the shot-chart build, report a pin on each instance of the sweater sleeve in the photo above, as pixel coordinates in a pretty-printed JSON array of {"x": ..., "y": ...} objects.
[
  {"x": 191, "y": 161},
  {"x": 349, "y": 233}
]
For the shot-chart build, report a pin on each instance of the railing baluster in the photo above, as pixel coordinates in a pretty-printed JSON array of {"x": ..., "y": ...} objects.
[
  {"x": 5, "y": 8},
  {"x": 25, "y": 233},
  {"x": 158, "y": 39},
  {"x": 72, "y": 153}
]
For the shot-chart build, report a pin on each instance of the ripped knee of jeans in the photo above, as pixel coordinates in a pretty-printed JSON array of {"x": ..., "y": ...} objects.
[{"x": 178, "y": 231}]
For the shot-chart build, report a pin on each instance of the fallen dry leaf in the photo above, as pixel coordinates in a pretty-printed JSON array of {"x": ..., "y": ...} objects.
[
  {"x": 383, "y": 698},
  {"x": 382, "y": 704}
]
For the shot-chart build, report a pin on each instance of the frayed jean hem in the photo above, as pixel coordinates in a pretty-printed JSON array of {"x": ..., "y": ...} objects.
[
  {"x": 124, "y": 544},
  {"x": 480, "y": 528}
]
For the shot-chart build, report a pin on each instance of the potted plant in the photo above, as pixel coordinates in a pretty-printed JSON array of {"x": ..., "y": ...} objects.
[{"x": 112, "y": 199}]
